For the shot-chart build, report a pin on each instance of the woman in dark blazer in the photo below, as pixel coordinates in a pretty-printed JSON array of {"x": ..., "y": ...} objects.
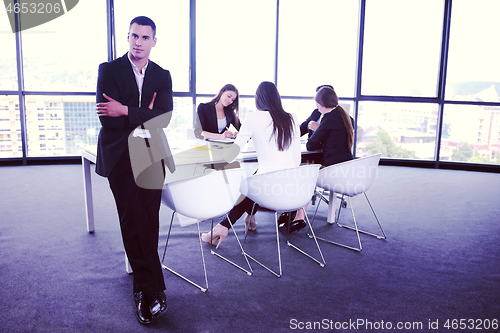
[
  {"x": 215, "y": 117},
  {"x": 309, "y": 125},
  {"x": 333, "y": 132}
]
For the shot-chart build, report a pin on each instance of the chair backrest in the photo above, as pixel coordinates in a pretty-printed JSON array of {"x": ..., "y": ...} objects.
[
  {"x": 282, "y": 190},
  {"x": 351, "y": 177},
  {"x": 205, "y": 196}
]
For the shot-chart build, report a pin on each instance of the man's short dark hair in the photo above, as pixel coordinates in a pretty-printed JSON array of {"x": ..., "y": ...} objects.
[
  {"x": 144, "y": 20},
  {"x": 323, "y": 86}
]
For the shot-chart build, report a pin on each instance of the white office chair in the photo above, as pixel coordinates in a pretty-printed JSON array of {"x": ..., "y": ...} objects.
[
  {"x": 283, "y": 191},
  {"x": 349, "y": 179},
  {"x": 203, "y": 197}
]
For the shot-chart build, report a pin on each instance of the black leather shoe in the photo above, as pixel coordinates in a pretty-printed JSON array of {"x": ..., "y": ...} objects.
[
  {"x": 143, "y": 313},
  {"x": 157, "y": 303},
  {"x": 292, "y": 226},
  {"x": 297, "y": 225}
]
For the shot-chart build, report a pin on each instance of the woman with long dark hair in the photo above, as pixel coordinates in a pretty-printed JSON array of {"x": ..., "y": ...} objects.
[
  {"x": 275, "y": 135},
  {"x": 333, "y": 133},
  {"x": 215, "y": 117},
  {"x": 309, "y": 125}
]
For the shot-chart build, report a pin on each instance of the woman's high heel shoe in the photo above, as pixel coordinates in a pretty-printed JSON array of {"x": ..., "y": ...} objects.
[
  {"x": 219, "y": 232},
  {"x": 250, "y": 223}
]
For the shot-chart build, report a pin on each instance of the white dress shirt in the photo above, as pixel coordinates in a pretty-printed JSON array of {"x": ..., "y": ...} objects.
[{"x": 139, "y": 78}]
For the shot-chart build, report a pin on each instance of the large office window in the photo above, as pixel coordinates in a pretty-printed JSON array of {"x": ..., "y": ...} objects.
[
  {"x": 172, "y": 32},
  {"x": 60, "y": 125},
  {"x": 410, "y": 50},
  {"x": 235, "y": 43},
  {"x": 471, "y": 133},
  {"x": 8, "y": 69},
  {"x": 397, "y": 130},
  {"x": 473, "y": 70},
  {"x": 402, "y": 47},
  {"x": 63, "y": 54},
  {"x": 317, "y": 45},
  {"x": 10, "y": 127}
]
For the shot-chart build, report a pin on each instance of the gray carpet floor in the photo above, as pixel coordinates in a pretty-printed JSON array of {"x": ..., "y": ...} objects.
[{"x": 441, "y": 261}]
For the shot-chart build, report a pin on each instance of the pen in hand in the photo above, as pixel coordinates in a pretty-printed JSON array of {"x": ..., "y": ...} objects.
[{"x": 228, "y": 134}]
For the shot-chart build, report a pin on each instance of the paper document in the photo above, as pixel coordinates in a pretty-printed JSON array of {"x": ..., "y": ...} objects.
[
  {"x": 226, "y": 140},
  {"x": 142, "y": 133}
]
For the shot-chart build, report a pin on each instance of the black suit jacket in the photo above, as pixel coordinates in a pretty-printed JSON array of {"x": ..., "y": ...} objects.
[
  {"x": 304, "y": 127},
  {"x": 331, "y": 136},
  {"x": 207, "y": 119},
  {"x": 117, "y": 80}
]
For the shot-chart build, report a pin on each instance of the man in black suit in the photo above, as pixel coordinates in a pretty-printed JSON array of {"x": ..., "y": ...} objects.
[
  {"x": 309, "y": 125},
  {"x": 134, "y": 104}
]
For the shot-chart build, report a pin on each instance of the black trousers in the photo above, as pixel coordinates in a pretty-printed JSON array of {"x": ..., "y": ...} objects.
[
  {"x": 138, "y": 211},
  {"x": 243, "y": 206}
]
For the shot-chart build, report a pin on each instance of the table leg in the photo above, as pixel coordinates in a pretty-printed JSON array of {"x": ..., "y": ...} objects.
[
  {"x": 332, "y": 201},
  {"x": 87, "y": 188}
]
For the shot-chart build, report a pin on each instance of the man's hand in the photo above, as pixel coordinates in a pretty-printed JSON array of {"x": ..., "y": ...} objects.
[
  {"x": 313, "y": 125},
  {"x": 152, "y": 101},
  {"x": 112, "y": 108}
]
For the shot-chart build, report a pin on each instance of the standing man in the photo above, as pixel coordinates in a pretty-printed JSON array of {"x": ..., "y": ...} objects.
[{"x": 134, "y": 104}]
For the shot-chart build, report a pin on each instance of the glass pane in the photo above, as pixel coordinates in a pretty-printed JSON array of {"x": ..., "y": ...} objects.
[
  {"x": 317, "y": 45},
  {"x": 473, "y": 70},
  {"x": 235, "y": 43},
  {"x": 246, "y": 105},
  {"x": 60, "y": 125},
  {"x": 10, "y": 127},
  {"x": 181, "y": 124},
  {"x": 402, "y": 47},
  {"x": 64, "y": 54},
  {"x": 301, "y": 107},
  {"x": 397, "y": 130},
  {"x": 172, "y": 32},
  {"x": 471, "y": 133},
  {"x": 8, "y": 69}
]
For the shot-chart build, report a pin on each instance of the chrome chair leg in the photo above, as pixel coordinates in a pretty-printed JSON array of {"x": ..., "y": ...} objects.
[
  {"x": 203, "y": 289},
  {"x": 322, "y": 264},
  {"x": 317, "y": 206},
  {"x": 366, "y": 232},
  {"x": 355, "y": 228},
  {"x": 347, "y": 227},
  {"x": 279, "y": 251},
  {"x": 249, "y": 271}
]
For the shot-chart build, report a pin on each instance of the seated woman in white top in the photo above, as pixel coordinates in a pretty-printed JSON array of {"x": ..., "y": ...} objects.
[{"x": 275, "y": 135}]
